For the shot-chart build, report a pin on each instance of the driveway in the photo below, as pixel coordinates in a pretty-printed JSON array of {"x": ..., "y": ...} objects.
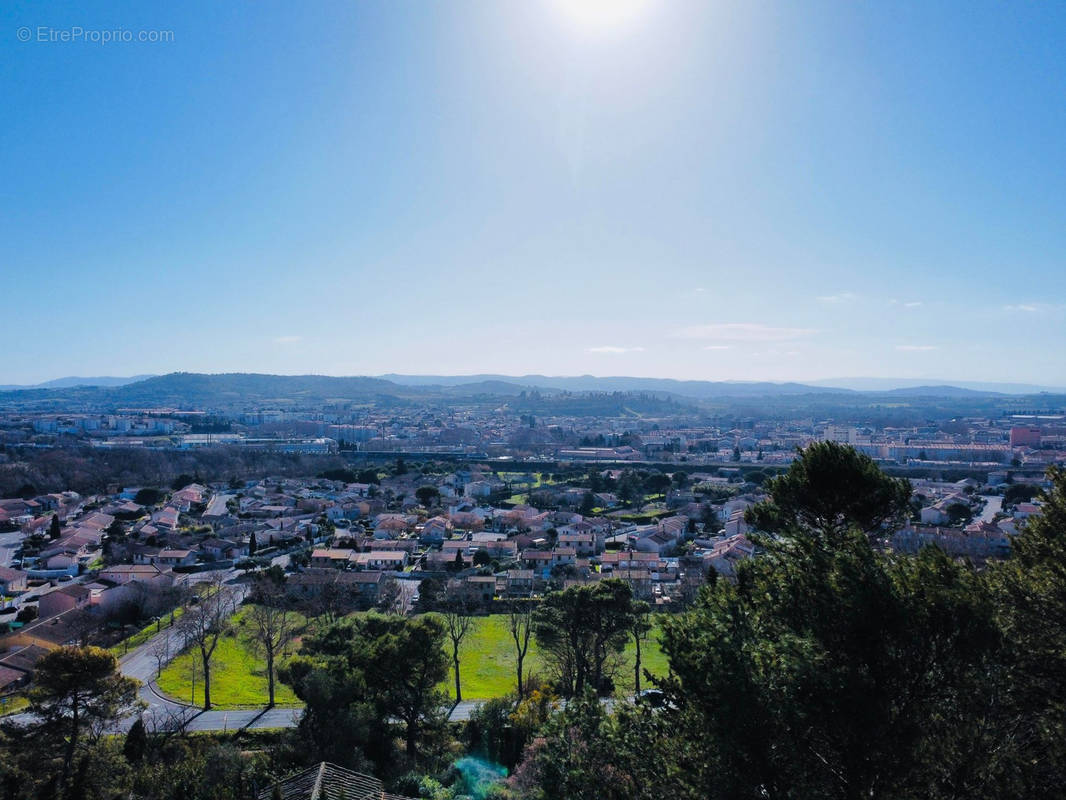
[{"x": 9, "y": 543}]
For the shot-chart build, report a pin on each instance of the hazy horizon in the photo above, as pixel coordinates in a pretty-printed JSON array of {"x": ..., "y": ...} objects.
[{"x": 857, "y": 383}]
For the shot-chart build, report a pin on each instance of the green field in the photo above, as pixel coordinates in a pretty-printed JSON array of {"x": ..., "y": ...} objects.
[
  {"x": 487, "y": 660},
  {"x": 487, "y": 667},
  {"x": 238, "y": 673},
  {"x": 146, "y": 633},
  {"x": 13, "y": 704},
  {"x": 522, "y": 498}
]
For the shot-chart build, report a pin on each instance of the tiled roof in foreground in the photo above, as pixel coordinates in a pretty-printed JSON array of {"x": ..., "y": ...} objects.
[{"x": 326, "y": 781}]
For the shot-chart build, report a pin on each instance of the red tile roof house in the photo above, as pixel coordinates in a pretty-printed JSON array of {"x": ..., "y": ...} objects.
[
  {"x": 407, "y": 545},
  {"x": 167, "y": 518},
  {"x": 60, "y": 562},
  {"x": 504, "y": 549},
  {"x": 438, "y": 560},
  {"x": 725, "y": 554},
  {"x": 338, "y": 557},
  {"x": 174, "y": 558},
  {"x": 64, "y": 599},
  {"x": 658, "y": 542},
  {"x": 563, "y": 555},
  {"x": 474, "y": 588},
  {"x": 381, "y": 559},
  {"x": 519, "y": 582},
  {"x": 583, "y": 543},
  {"x": 223, "y": 548},
  {"x": 12, "y": 581},
  {"x": 97, "y": 521},
  {"x": 16, "y": 666},
  {"x": 436, "y": 529},
  {"x": 536, "y": 559},
  {"x": 312, "y": 582},
  {"x": 147, "y": 573},
  {"x": 627, "y": 560}
]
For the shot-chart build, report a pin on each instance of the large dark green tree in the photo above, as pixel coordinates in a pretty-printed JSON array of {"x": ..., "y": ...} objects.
[
  {"x": 427, "y": 495},
  {"x": 845, "y": 673},
  {"x": 831, "y": 668},
  {"x": 365, "y": 675},
  {"x": 828, "y": 490},
  {"x": 1032, "y": 587},
  {"x": 581, "y": 630},
  {"x": 78, "y": 693}
]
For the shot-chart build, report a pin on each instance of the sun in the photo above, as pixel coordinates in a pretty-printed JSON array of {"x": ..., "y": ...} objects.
[{"x": 600, "y": 15}]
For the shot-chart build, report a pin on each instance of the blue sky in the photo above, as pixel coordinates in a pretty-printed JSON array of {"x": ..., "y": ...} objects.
[{"x": 703, "y": 190}]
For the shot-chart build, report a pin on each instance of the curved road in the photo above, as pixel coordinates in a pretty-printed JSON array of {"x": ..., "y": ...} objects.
[{"x": 164, "y": 713}]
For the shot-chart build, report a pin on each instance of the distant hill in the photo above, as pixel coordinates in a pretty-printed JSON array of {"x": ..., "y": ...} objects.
[
  {"x": 584, "y": 395},
  {"x": 66, "y": 383},
  {"x": 513, "y": 385},
  {"x": 892, "y": 384},
  {"x": 591, "y": 383},
  {"x": 938, "y": 391},
  {"x": 490, "y": 387},
  {"x": 226, "y": 389}
]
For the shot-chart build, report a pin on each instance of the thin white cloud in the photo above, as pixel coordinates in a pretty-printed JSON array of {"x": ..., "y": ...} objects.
[
  {"x": 839, "y": 297},
  {"x": 718, "y": 347},
  {"x": 773, "y": 352},
  {"x": 614, "y": 349},
  {"x": 287, "y": 339},
  {"x": 916, "y": 348},
  {"x": 913, "y": 304},
  {"x": 742, "y": 332},
  {"x": 1029, "y": 308}
]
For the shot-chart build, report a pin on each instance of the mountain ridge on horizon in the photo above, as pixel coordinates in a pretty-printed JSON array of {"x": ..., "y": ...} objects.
[{"x": 495, "y": 383}]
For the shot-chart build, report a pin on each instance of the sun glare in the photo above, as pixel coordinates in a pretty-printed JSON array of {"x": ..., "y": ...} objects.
[{"x": 600, "y": 15}]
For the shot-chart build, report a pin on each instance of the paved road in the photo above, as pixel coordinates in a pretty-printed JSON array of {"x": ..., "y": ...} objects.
[
  {"x": 142, "y": 663},
  {"x": 993, "y": 505},
  {"x": 9, "y": 543},
  {"x": 165, "y": 713}
]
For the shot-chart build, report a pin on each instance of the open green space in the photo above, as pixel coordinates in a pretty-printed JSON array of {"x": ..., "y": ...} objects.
[
  {"x": 487, "y": 660},
  {"x": 238, "y": 672},
  {"x": 522, "y": 498},
  {"x": 146, "y": 633},
  {"x": 487, "y": 667},
  {"x": 13, "y": 704}
]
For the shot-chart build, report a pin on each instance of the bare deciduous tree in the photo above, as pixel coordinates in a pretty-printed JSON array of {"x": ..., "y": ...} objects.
[
  {"x": 161, "y": 652},
  {"x": 520, "y": 623},
  {"x": 639, "y": 627},
  {"x": 273, "y": 626},
  {"x": 457, "y": 624},
  {"x": 205, "y": 621}
]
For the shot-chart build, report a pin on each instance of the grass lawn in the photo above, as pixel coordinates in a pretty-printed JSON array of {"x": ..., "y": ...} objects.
[
  {"x": 13, "y": 704},
  {"x": 487, "y": 660},
  {"x": 487, "y": 667},
  {"x": 145, "y": 633},
  {"x": 238, "y": 673}
]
